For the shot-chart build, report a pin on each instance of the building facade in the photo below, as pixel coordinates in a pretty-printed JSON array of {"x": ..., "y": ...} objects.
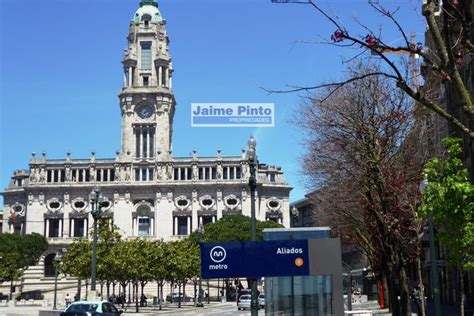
[{"x": 146, "y": 191}]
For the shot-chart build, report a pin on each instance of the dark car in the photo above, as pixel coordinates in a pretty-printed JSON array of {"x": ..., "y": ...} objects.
[
  {"x": 176, "y": 297},
  {"x": 91, "y": 308}
]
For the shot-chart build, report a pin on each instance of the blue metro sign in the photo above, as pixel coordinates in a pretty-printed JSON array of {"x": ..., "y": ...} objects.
[{"x": 254, "y": 259}]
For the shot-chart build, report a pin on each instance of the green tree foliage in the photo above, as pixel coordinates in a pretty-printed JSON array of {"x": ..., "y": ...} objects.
[
  {"x": 232, "y": 228},
  {"x": 76, "y": 261},
  {"x": 17, "y": 252},
  {"x": 449, "y": 198}
]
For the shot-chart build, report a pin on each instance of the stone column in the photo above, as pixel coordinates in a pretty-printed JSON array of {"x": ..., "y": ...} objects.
[
  {"x": 47, "y": 228},
  {"x": 129, "y": 76},
  {"x": 160, "y": 71},
  {"x": 140, "y": 150},
  {"x": 73, "y": 224},
  {"x": 175, "y": 226},
  {"x": 85, "y": 227},
  {"x": 148, "y": 141},
  {"x": 167, "y": 73}
]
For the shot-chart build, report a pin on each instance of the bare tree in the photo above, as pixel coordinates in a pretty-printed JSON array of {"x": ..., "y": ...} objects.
[
  {"x": 361, "y": 149},
  {"x": 448, "y": 54}
]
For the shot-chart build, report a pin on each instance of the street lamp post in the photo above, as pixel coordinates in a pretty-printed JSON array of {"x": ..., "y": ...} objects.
[
  {"x": 57, "y": 260},
  {"x": 252, "y": 157},
  {"x": 201, "y": 235},
  {"x": 96, "y": 210},
  {"x": 434, "y": 263}
]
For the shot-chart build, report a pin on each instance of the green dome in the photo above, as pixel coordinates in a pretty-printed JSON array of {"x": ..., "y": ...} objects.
[{"x": 147, "y": 9}]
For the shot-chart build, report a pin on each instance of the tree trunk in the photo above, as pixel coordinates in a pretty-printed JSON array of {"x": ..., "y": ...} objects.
[
  {"x": 136, "y": 296},
  {"x": 87, "y": 284},
  {"x": 385, "y": 291},
  {"x": 392, "y": 294},
  {"x": 124, "y": 294},
  {"x": 421, "y": 288},
  {"x": 461, "y": 284},
  {"x": 179, "y": 295},
  {"x": 11, "y": 290},
  {"x": 78, "y": 293},
  {"x": 404, "y": 292}
]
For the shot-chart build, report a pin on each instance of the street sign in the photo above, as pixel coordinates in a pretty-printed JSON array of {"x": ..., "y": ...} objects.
[{"x": 255, "y": 259}]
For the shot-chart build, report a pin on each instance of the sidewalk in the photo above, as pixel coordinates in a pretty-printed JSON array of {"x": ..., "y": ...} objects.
[{"x": 174, "y": 309}]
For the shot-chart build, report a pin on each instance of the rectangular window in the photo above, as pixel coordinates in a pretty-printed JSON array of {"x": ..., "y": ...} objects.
[
  {"x": 214, "y": 173},
  {"x": 143, "y": 171},
  {"x": 238, "y": 173},
  {"x": 78, "y": 227},
  {"x": 150, "y": 174},
  {"x": 182, "y": 225},
  {"x": 146, "y": 55},
  {"x": 146, "y": 82},
  {"x": 206, "y": 220},
  {"x": 137, "y": 143},
  {"x": 272, "y": 177},
  {"x": 201, "y": 173},
  {"x": 232, "y": 175},
  {"x": 144, "y": 226},
  {"x": 137, "y": 174},
  {"x": 163, "y": 76},
  {"x": 176, "y": 174},
  {"x": 225, "y": 173},
  {"x": 54, "y": 228}
]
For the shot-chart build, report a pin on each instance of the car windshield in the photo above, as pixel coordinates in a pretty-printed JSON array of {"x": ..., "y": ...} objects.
[
  {"x": 82, "y": 307},
  {"x": 245, "y": 297}
]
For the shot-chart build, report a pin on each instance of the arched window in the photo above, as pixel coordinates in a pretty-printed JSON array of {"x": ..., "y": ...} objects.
[
  {"x": 49, "y": 268},
  {"x": 143, "y": 221}
]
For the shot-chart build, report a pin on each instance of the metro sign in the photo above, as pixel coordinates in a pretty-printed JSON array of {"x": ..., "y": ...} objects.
[{"x": 254, "y": 259}]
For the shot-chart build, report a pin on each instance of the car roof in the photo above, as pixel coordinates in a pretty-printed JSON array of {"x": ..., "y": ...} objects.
[{"x": 89, "y": 302}]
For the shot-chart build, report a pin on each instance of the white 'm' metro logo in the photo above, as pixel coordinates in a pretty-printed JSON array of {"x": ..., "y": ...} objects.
[{"x": 218, "y": 254}]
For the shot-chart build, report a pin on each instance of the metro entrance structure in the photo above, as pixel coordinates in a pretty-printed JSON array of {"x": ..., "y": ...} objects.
[{"x": 302, "y": 269}]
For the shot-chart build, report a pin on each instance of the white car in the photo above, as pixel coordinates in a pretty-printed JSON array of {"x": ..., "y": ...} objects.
[
  {"x": 244, "y": 302},
  {"x": 261, "y": 300},
  {"x": 89, "y": 308}
]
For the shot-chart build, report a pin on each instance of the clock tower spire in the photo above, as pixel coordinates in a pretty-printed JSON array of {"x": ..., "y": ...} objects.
[{"x": 147, "y": 102}]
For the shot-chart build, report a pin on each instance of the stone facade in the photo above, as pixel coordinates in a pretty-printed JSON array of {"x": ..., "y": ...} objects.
[{"x": 147, "y": 192}]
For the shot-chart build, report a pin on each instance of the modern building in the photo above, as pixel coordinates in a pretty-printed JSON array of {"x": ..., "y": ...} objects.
[{"x": 147, "y": 192}]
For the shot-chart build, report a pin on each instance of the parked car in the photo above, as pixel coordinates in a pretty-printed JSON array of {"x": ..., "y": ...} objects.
[
  {"x": 261, "y": 300},
  {"x": 30, "y": 295},
  {"x": 176, "y": 297},
  {"x": 244, "y": 302},
  {"x": 91, "y": 308}
]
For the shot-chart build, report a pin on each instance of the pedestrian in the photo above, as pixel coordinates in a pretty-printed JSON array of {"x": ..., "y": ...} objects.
[{"x": 67, "y": 299}]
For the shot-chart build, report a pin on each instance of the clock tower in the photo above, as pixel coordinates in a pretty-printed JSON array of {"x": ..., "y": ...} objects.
[{"x": 147, "y": 102}]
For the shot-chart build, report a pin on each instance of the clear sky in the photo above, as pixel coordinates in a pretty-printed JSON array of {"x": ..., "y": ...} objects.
[{"x": 60, "y": 72}]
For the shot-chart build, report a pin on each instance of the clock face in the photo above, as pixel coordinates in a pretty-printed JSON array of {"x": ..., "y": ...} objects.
[{"x": 145, "y": 111}]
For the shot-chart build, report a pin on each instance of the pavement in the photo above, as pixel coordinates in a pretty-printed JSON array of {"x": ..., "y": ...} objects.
[{"x": 215, "y": 308}]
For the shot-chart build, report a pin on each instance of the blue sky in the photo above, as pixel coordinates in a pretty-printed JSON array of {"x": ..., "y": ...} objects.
[{"x": 60, "y": 72}]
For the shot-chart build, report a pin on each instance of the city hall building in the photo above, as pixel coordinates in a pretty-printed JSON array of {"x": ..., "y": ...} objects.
[{"x": 147, "y": 192}]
